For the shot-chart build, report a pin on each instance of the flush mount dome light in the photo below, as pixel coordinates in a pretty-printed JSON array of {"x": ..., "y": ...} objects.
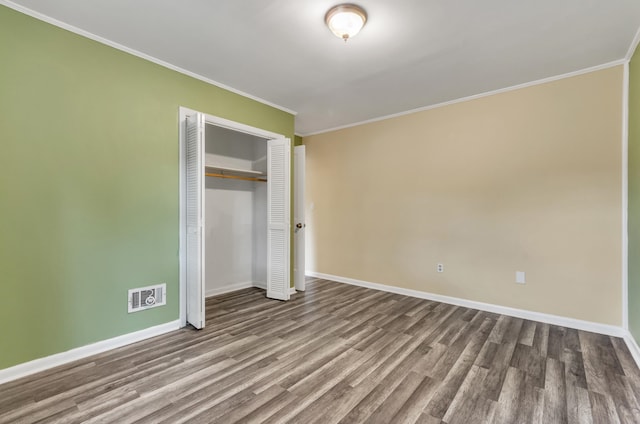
[{"x": 345, "y": 20}]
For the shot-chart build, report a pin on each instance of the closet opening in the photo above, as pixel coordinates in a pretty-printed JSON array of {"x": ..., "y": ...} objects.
[
  {"x": 235, "y": 207},
  {"x": 235, "y": 211}
]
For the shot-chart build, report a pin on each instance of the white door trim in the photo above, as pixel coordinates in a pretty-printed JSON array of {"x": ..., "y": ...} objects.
[
  {"x": 299, "y": 217},
  {"x": 625, "y": 198}
]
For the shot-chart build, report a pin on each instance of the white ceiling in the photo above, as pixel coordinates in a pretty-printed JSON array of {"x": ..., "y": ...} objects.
[{"x": 411, "y": 53}]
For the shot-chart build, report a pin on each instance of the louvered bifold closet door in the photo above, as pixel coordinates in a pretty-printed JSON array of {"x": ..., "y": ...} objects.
[
  {"x": 278, "y": 237},
  {"x": 195, "y": 219}
]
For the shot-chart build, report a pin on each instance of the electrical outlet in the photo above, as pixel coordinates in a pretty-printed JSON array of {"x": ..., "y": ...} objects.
[
  {"x": 520, "y": 277},
  {"x": 440, "y": 267}
]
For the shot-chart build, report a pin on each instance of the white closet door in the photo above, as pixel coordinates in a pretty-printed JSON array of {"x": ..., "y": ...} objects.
[
  {"x": 278, "y": 236},
  {"x": 195, "y": 219}
]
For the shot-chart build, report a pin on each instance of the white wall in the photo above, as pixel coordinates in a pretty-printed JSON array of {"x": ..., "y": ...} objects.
[
  {"x": 235, "y": 213},
  {"x": 234, "y": 149},
  {"x": 260, "y": 218}
]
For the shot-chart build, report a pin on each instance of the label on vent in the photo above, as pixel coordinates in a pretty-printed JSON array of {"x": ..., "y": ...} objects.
[{"x": 147, "y": 297}]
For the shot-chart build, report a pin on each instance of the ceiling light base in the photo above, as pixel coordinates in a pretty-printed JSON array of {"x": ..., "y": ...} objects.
[{"x": 345, "y": 20}]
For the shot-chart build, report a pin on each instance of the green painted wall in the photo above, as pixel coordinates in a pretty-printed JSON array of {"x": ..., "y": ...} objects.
[
  {"x": 89, "y": 184},
  {"x": 634, "y": 195}
]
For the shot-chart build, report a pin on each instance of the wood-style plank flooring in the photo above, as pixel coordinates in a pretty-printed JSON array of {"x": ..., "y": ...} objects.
[{"x": 342, "y": 354}]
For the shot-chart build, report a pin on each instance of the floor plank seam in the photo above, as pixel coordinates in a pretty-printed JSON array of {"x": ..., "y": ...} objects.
[{"x": 342, "y": 354}]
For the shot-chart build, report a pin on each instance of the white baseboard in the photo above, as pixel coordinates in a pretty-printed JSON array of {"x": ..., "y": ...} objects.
[
  {"x": 229, "y": 288},
  {"x": 240, "y": 286},
  {"x": 633, "y": 347},
  {"x": 41, "y": 364},
  {"x": 234, "y": 287},
  {"x": 610, "y": 330}
]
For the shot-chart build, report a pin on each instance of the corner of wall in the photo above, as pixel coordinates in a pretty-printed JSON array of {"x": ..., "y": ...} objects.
[
  {"x": 634, "y": 349},
  {"x": 632, "y": 128}
]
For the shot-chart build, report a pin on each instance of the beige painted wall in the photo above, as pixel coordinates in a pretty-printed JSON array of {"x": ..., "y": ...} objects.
[{"x": 528, "y": 180}]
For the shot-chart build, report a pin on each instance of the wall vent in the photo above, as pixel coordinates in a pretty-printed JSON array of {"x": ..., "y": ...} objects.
[{"x": 147, "y": 297}]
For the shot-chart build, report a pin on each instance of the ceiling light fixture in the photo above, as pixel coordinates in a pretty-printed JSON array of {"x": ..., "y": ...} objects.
[{"x": 345, "y": 20}]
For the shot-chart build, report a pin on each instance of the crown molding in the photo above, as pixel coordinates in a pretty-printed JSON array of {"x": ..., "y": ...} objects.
[
  {"x": 113, "y": 44},
  {"x": 475, "y": 96},
  {"x": 633, "y": 46}
]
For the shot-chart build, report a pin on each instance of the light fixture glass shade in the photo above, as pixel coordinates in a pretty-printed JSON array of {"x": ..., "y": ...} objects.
[{"x": 346, "y": 20}]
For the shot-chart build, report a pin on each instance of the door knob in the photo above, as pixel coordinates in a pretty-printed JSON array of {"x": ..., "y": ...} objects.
[{"x": 299, "y": 225}]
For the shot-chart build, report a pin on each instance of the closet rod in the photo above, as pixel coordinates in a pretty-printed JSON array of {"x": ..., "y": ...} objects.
[{"x": 235, "y": 177}]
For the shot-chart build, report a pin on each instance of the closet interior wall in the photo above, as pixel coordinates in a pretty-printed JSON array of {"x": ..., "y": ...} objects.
[{"x": 235, "y": 233}]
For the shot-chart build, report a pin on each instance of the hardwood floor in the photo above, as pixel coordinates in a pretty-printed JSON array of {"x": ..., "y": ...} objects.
[{"x": 342, "y": 354}]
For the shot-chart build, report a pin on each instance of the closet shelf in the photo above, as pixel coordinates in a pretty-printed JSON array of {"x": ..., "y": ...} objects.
[{"x": 234, "y": 173}]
